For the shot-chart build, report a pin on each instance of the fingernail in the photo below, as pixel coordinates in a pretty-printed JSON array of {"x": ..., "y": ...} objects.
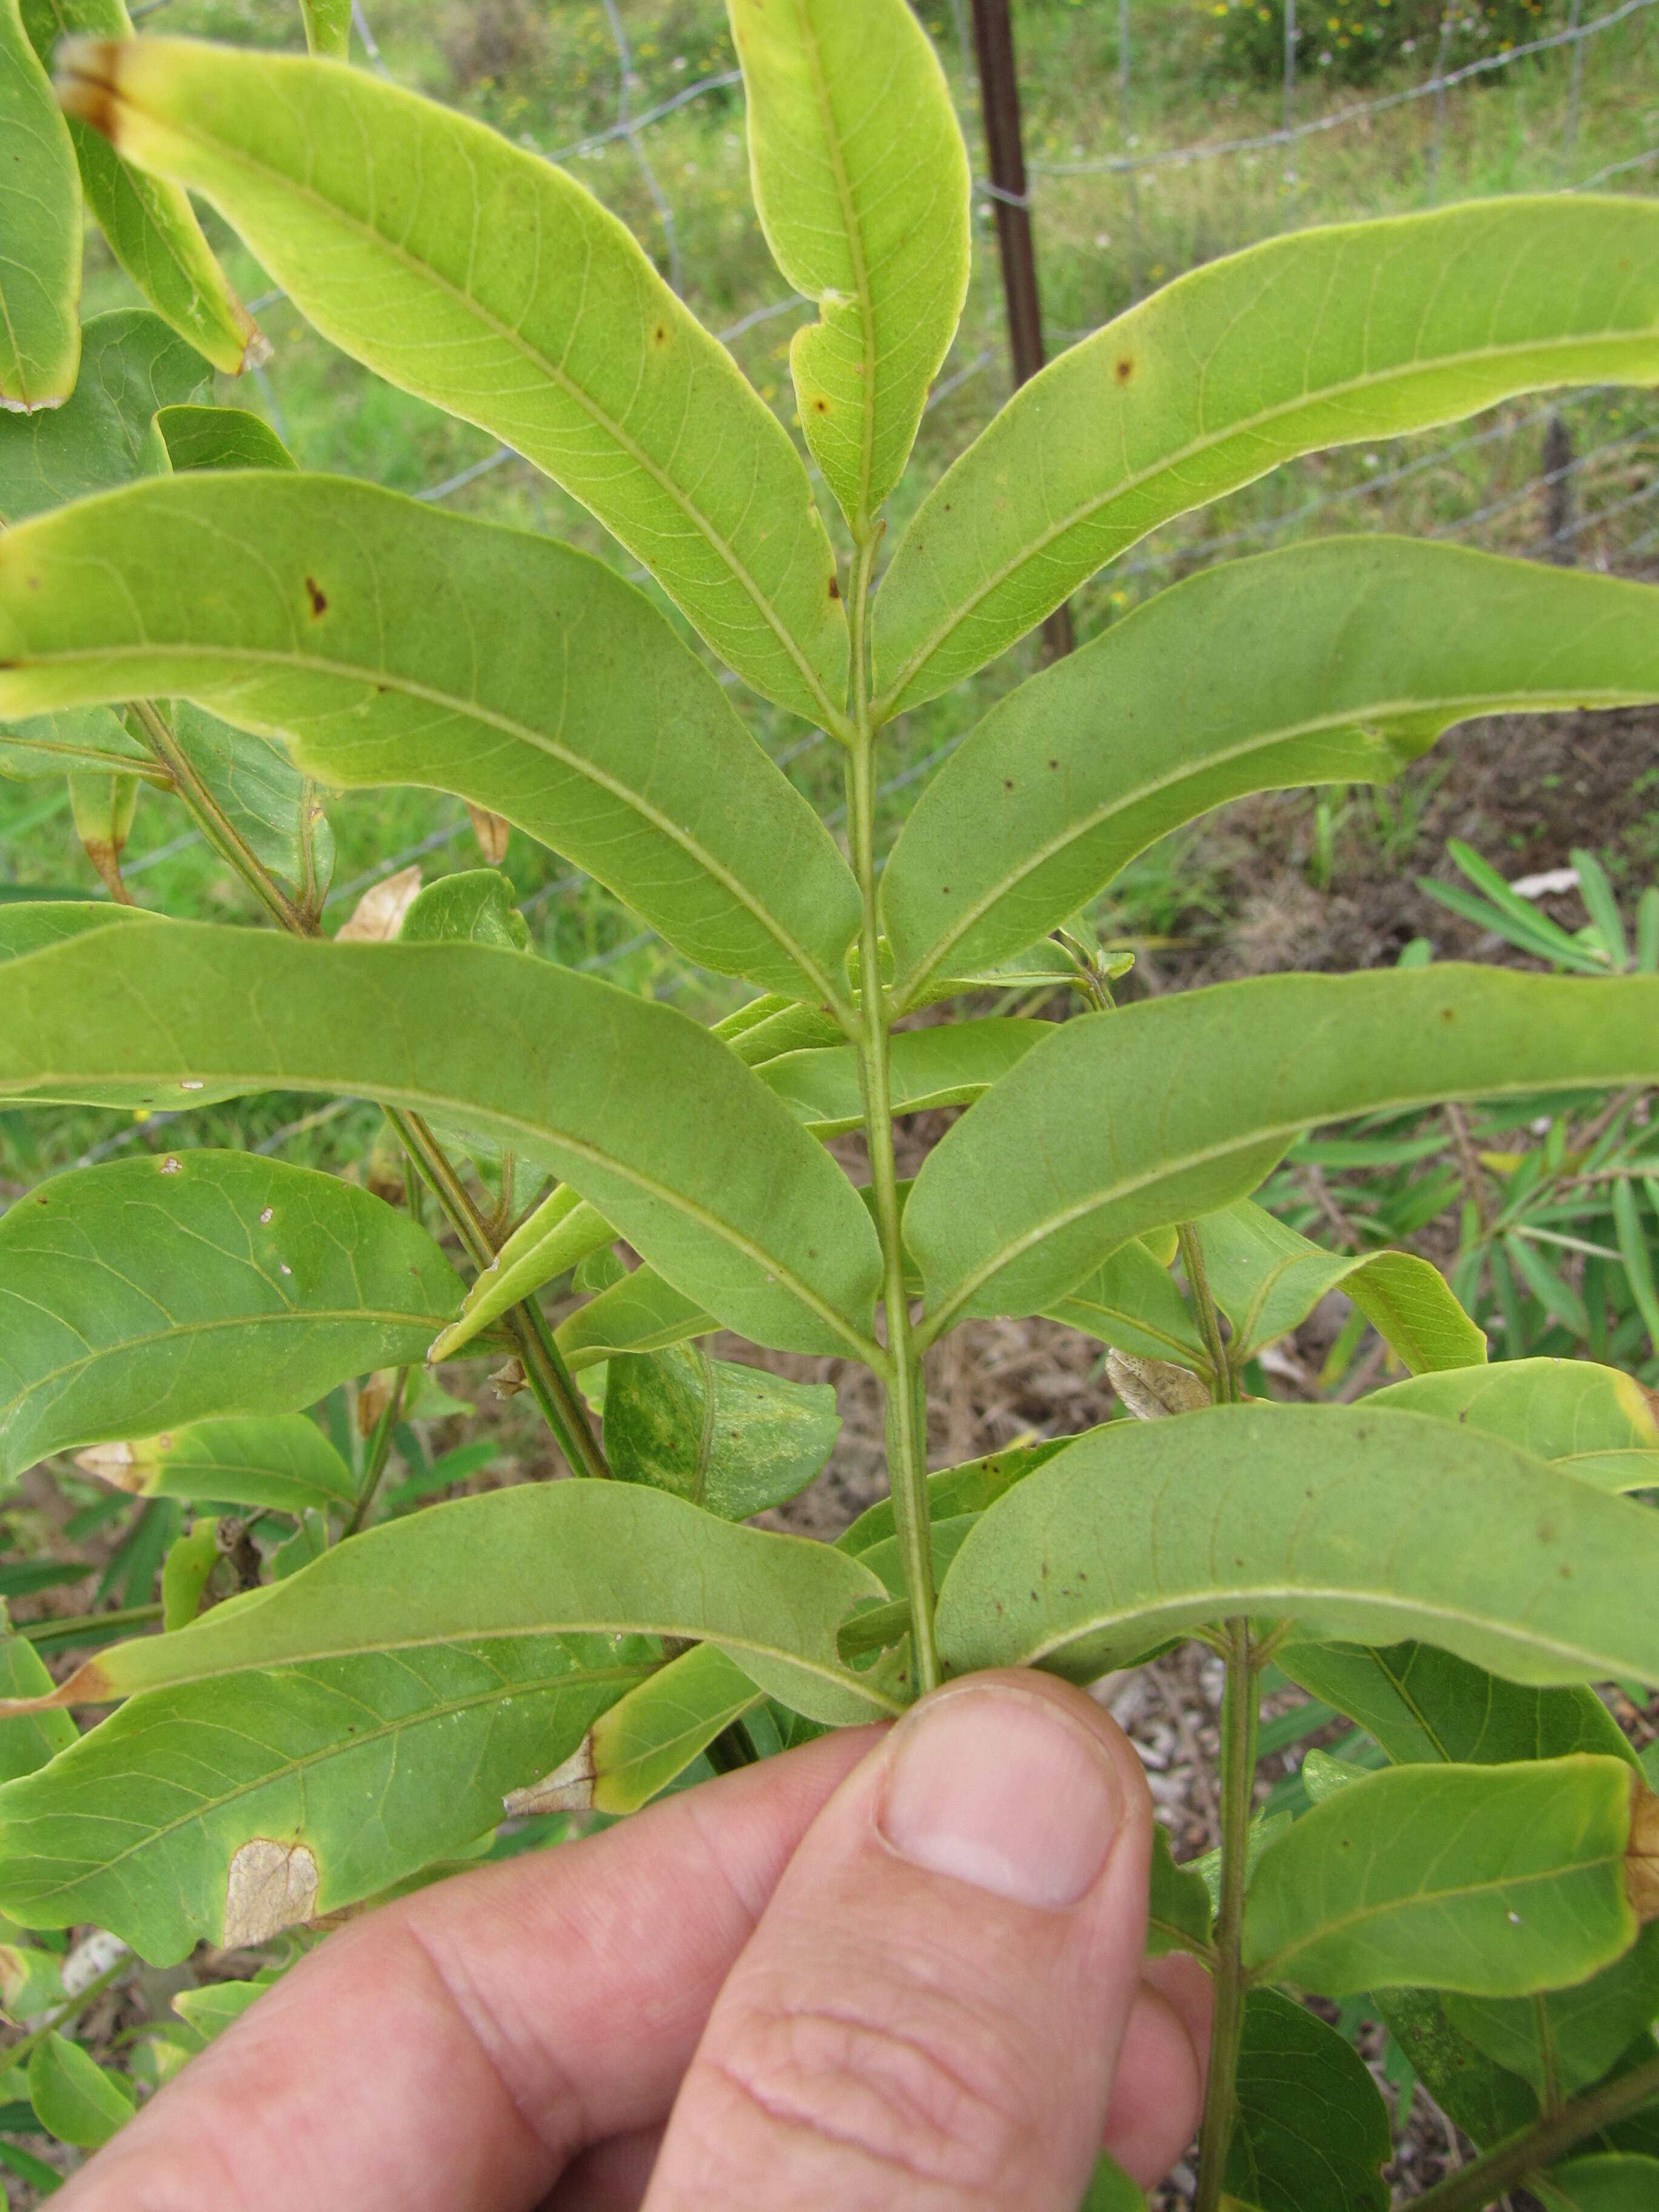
[{"x": 1004, "y": 1790}]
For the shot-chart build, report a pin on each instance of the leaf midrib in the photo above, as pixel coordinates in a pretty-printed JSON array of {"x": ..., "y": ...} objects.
[
  {"x": 1244, "y": 426},
  {"x": 850, "y": 224},
  {"x": 554, "y": 376},
  {"x": 1263, "y": 1134},
  {"x": 493, "y": 718},
  {"x": 1458, "y": 707}
]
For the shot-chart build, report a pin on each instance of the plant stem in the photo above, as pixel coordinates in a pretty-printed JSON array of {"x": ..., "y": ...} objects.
[
  {"x": 13, "y": 2057},
  {"x": 216, "y": 825},
  {"x": 1485, "y": 2178},
  {"x": 1223, "y": 1383},
  {"x": 907, "y": 1453},
  {"x": 379, "y": 1453},
  {"x": 544, "y": 1368},
  {"x": 51, "y": 1631},
  {"x": 1238, "y": 1719}
]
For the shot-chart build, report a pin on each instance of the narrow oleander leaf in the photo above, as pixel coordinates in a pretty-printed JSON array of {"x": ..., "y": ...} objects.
[
  {"x": 391, "y": 642},
  {"x": 272, "y": 807},
  {"x": 220, "y": 438},
  {"x": 131, "y": 365},
  {"x": 281, "y": 1464},
  {"x": 1116, "y": 1122},
  {"x": 690, "y": 1161},
  {"x": 1312, "y": 2127},
  {"x": 1368, "y": 1526},
  {"x": 150, "y": 226},
  {"x": 556, "y": 1559},
  {"x": 227, "y": 1809},
  {"x": 1470, "y": 2088},
  {"x": 647, "y": 1739},
  {"x": 1131, "y": 1304},
  {"x": 1344, "y": 659},
  {"x": 953, "y": 1491},
  {"x": 1179, "y": 1915},
  {"x": 1320, "y": 337},
  {"x": 1493, "y": 1881},
  {"x": 1606, "y": 2181},
  {"x": 75, "y": 2098},
  {"x": 1560, "y": 2041},
  {"x": 561, "y": 1232},
  {"x": 479, "y": 275},
  {"x": 951, "y": 1065},
  {"x": 29, "y": 1742},
  {"x": 640, "y": 1313},
  {"x": 733, "y": 1440},
  {"x": 40, "y": 233},
  {"x": 1421, "y": 1703},
  {"x": 1267, "y": 1279},
  {"x": 861, "y": 182},
  {"x": 1590, "y": 1421},
  {"x": 146, "y": 1293},
  {"x": 328, "y": 28}
]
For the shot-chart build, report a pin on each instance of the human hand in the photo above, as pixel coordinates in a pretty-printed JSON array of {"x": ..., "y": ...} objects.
[{"x": 897, "y": 1968}]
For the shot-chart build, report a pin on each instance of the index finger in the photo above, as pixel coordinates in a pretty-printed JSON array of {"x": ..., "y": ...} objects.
[{"x": 460, "y": 2047}]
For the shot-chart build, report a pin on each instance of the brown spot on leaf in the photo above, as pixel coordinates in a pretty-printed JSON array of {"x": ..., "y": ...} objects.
[
  {"x": 835, "y": 589},
  {"x": 1126, "y": 368},
  {"x": 1641, "y": 1853},
  {"x": 660, "y": 336},
  {"x": 821, "y": 406},
  {"x": 569, "y": 1789},
  {"x": 313, "y": 592},
  {"x": 272, "y": 1886}
]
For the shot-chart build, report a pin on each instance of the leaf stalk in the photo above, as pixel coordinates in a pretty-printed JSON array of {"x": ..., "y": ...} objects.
[{"x": 1238, "y": 1728}]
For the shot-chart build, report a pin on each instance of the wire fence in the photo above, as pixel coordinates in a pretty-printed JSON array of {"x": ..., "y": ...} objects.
[{"x": 1121, "y": 168}]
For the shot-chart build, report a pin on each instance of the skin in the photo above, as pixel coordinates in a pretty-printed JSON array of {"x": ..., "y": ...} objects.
[{"x": 764, "y": 1993}]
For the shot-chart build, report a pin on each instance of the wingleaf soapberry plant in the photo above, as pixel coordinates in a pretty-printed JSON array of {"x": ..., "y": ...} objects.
[{"x": 1452, "y": 1564}]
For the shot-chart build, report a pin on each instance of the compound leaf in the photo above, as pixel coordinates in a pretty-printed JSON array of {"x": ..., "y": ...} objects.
[
  {"x": 151, "y": 226},
  {"x": 1363, "y": 1525},
  {"x": 1495, "y": 1881},
  {"x": 1588, "y": 1420},
  {"x": 1117, "y": 1122},
  {"x": 692, "y": 1158},
  {"x": 393, "y": 643},
  {"x": 40, "y": 233},
  {"x": 146, "y": 1293},
  {"x": 861, "y": 182},
  {"x": 477, "y": 276},
  {"x": 1318, "y": 338},
  {"x": 1312, "y": 2127}
]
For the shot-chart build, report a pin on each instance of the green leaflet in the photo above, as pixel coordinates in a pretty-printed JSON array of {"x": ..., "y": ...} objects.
[
  {"x": 954, "y": 1491},
  {"x": 40, "y": 233},
  {"x": 90, "y": 738},
  {"x": 1562, "y": 2040},
  {"x": 860, "y": 179},
  {"x": 464, "y": 269},
  {"x": 641, "y": 1313},
  {"x": 31, "y": 1982},
  {"x": 1484, "y": 2100},
  {"x": 130, "y": 364},
  {"x": 732, "y": 1439},
  {"x": 151, "y": 228},
  {"x": 73, "y": 2098},
  {"x": 562, "y": 1231},
  {"x": 283, "y": 1463},
  {"x": 536, "y": 1561},
  {"x": 210, "y": 2009},
  {"x": 32, "y": 1739},
  {"x": 393, "y": 643},
  {"x": 328, "y": 28},
  {"x": 1116, "y": 1123},
  {"x": 649, "y": 1738},
  {"x": 1311, "y": 2129},
  {"x": 220, "y": 438},
  {"x": 1267, "y": 1280},
  {"x": 1318, "y": 338},
  {"x": 951, "y": 1065},
  {"x": 190, "y": 1560},
  {"x": 1131, "y": 1304},
  {"x": 1496, "y": 1880},
  {"x": 687, "y": 1161},
  {"x": 474, "y": 907},
  {"x": 1605, "y": 2181},
  {"x": 1423, "y": 1703},
  {"x": 1334, "y": 662},
  {"x": 1588, "y": 1420},
  {"x": 150, "y": 1291},
  {"x": 227, "y": 1809},
  {"x": 1179, "y": 1915},
  {"x": 1364, "y": 1525}
]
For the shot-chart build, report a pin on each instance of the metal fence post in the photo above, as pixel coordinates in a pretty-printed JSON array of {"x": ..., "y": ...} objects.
[{"x": 994, "y": 37}]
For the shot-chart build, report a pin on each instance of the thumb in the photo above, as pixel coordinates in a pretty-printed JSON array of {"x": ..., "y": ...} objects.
[{"x": 929, "y": 2016}]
